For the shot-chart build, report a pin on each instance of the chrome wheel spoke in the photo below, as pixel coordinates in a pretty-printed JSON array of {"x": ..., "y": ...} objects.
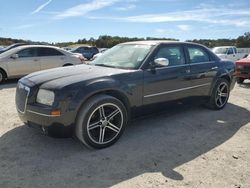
[
  {"x": 222, "y": 88},
  {"x": 94, "y": 125},
  {"x": 113, "y": 127},
  {"x": 113, "y": 114},
  {"x": 102, "y": 112},
  {"x": 220, "y": 100},
  {"x": 101, "y": 135},
  {"x": 223, "y": 94}
]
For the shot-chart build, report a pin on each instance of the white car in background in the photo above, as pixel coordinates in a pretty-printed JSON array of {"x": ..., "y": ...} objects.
[
  {"x": 24, "y": 60},
  {"x": 228, "y": 52}
]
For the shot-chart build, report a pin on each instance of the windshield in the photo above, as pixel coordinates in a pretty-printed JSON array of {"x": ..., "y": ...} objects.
[
  {"x": 220, "y": 50},
  {"x": 125, "y": 56}
]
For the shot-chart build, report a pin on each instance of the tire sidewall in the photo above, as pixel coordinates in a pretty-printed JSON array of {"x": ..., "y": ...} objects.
[{"x": 85, "y": 113}]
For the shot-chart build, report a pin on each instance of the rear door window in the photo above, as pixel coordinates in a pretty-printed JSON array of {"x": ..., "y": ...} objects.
[
  {"x": 197, "y": 55},
  {"x": 48, "y": 52}
]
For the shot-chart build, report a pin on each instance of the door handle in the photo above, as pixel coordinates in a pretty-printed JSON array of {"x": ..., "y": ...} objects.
[
  {"x": 214, "y": 68},
  {"x": 188, "y": 71}
]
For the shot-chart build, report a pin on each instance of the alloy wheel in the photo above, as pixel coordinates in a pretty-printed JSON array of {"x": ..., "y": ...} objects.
[
  {"x": 222, "y": 94},
  {"x": 105, "y": 123}
]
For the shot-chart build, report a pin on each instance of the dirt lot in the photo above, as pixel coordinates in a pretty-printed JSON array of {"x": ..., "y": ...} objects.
[{"x": 183, "y": 147}]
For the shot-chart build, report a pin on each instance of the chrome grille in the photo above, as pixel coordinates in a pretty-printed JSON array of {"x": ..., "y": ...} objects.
[{"x": 22, "y": 93}]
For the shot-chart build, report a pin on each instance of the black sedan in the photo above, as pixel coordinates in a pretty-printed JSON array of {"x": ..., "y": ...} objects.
[{"x": 97, "y": 100}]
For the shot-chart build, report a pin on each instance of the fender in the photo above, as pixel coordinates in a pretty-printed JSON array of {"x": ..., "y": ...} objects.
[{"x": 101, "y": 86}]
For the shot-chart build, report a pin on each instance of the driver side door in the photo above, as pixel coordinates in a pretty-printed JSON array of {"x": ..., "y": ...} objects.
[
  {"x": 26, "y": 62},
  {"x": 165, "y": 83}
]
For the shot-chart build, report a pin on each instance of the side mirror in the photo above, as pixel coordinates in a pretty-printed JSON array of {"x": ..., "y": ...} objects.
[
  {"x": 161, "y": 62},
  {"x": 14, "y": 56}
]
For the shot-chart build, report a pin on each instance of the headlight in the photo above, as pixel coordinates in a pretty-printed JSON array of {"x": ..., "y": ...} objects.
[{"x": 45, "y": 97}]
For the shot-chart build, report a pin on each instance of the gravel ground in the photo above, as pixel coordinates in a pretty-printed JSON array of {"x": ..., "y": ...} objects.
[{"x": 183, "y": 147}]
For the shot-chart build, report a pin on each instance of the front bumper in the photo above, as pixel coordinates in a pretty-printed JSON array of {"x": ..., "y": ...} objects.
[
  {"x": 243, "y": 72},
  {"x": 245, "y": 75},
  {"x": 42, "y": 116}
]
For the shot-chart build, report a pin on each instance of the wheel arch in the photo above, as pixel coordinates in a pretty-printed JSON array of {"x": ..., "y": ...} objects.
[
  {"x": 227, "y": 77},
  {"x": 222, "y": 75},
  {"x": 111, "y": 92},
  {"x": 5, "y": 72}
]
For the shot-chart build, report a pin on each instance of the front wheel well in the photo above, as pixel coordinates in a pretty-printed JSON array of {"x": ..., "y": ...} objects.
[
  {"x": 4, "y": 72},
  {"x": 116, "y": 94},
  {"x": 227, "y": 78},
  {"x": 119, "y": 96}
]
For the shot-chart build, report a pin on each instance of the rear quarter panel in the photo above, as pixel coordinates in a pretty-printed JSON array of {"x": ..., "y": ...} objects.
[{"x": 226, "y": 69}]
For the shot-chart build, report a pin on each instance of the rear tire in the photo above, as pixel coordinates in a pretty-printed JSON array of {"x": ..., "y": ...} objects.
[
  {"x": 2, "y": 76},
  {"x": 101, "y": 121},
  {"x": 240, "y": 80},
  {"x": 220, "y": 94}
]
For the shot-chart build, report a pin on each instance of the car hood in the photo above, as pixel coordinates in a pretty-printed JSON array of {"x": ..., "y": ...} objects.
[
  {"x": 63, "y": 76},
  {"x": 245, "y": 61}
]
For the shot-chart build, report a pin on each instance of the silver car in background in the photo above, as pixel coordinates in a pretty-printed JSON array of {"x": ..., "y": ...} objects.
[{"x": 24, "y": 60}]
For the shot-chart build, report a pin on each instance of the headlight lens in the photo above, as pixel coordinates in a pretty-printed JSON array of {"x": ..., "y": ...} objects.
[{"x": 45, "y": 97}]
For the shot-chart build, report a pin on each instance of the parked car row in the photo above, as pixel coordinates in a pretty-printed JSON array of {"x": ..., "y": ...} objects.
[
  {"x": 25, "y": 59},
  {"x": 229, "y": 52},
  {"x": 95, "y": 101},
  {"x": 87, "y": 51},
  {"x": 242, "y": 61}
]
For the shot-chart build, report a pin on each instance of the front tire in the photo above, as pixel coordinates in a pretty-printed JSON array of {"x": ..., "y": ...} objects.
[
  {"x": 220, "y": 94},
  {"x": 101, "y": 121}
]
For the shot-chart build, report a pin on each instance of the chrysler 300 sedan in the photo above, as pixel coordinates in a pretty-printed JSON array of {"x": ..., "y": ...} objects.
[{"x": 97, "y": 100}]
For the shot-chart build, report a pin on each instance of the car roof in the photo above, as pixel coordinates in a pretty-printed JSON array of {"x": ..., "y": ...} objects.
[
  {"x": 224, "y": 47},
  {"x": 35, "y": 46},
  {"x": 16, "y": 49},
  {"x": 157, "y": 42}
]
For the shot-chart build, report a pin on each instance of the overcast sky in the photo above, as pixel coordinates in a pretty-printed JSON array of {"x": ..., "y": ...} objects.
[{"x": 70, "y": 20}]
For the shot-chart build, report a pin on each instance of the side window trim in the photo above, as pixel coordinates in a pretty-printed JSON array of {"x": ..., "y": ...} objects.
[
  {"x": 171, "y": 45},
  {"x": 30, "y": 48},
  {"x": 49, "y": 50}
]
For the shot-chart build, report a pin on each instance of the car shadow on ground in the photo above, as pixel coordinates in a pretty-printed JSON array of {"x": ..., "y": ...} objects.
[
  {"x": 245, "y": 85},
  {"x": 9, "y": 84},
  {"x": 157, "y": 143}
]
